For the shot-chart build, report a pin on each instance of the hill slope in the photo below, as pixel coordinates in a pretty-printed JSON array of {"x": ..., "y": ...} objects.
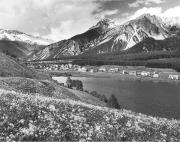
[
  {"x": 11, "y": 68},
  {"x": 25, "y": 117}
]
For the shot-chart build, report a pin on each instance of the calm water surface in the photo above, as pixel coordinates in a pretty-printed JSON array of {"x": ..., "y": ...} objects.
[{"x": 152, "y": 98}]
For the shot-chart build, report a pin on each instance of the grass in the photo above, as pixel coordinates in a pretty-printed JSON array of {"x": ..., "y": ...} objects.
[
  {"x": 11, "y": 68},
  {"x": 45, "y": 88},
  {"x": 26, "y": 117}
]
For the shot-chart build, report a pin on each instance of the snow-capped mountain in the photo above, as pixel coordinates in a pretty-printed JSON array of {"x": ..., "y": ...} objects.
[
  {"x": 107, "y": 36},
  {"x": 12, "y": 35}
]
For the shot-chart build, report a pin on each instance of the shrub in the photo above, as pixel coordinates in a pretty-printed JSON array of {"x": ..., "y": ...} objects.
[
  {"x": 113, "y": 102},
  {"x": 97, "y": 95},
  {"x": 77, "y": 84}
]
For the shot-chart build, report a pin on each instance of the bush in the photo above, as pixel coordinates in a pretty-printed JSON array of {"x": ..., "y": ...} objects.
[
  {"x": 77, "y": 84},
  {"x": 113, "y": 102},
  {"x": 101, "y": 97}
]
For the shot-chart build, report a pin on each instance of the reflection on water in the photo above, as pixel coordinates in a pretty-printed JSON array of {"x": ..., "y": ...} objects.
[{"x": 157, "y": 99}]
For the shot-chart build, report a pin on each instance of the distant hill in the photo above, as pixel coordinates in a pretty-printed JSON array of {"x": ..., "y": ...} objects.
[
  {"x": 17, "y": 49},
  {"x": 13, "y": 35},
  {"x": 20, "y": 45}
]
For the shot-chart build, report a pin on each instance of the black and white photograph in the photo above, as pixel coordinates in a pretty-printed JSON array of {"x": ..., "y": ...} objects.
[{"x": 90, "y": 70}]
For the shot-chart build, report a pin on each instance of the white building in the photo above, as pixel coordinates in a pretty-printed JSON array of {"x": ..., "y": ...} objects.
[
  {"x": 132, "y": 72},
  {"x": 83, "y": 69},
  {"x": 156, "y": 75},
  {"x": 76, "y": 67},
  {"x": 173, "y": 77},
  {"x": 102, "y": 69},
  {"x": 124, "y": 72},
  {"x": 113, "y": 69},
  {"x": 145, "y": 73},
  {"x": 70, "y": 66}
]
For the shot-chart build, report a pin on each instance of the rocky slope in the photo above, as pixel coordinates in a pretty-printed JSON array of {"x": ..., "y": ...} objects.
[{"x": 107, "y": 36}]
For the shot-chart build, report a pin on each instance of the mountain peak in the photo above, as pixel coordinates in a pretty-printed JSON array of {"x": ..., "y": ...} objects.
[
  {"x": 105, "y": 23},
  {"x": 152, "y": 18}
]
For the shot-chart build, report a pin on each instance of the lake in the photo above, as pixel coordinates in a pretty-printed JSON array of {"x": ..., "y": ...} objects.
[{"x": 153, "y": 98}]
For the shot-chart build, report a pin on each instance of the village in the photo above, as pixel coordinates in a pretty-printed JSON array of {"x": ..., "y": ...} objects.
[{"x": 122, "y": 70}]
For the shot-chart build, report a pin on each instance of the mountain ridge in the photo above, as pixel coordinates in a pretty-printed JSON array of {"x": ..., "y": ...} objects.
[{"x": 107, "y": 36}]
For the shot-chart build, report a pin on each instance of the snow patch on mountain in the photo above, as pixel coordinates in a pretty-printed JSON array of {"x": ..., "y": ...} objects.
[{"x": 22, "y": 37}]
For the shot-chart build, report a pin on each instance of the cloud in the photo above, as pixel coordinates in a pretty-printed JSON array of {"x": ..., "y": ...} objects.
[
  {"x": 103, "y": 13},
  {"x": 145, "y": 10},
  {"x": 171, "y": 14},
  {"x": 57, "y": 19},
  {"x": 138, "y": 3},
  {"x": 127, "y": 16}
]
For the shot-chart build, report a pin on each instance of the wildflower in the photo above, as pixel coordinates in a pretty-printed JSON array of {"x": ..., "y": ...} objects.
[
  {"x": 52, "y": 108},
  {"x": 21, "y": 121},
  {"x": 128, "y": 124}
]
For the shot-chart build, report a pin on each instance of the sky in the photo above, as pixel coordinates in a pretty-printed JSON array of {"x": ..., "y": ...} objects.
[{"x": 62, "y": 19}]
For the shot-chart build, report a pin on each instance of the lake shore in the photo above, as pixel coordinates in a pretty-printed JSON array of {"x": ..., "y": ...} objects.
[{"x": 116, "y": 76}]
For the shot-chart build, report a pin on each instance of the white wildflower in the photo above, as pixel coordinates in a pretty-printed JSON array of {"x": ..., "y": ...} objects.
[
  {"x": 28, "y": 131},
  {"x": 128, "y": 124},
  {"x": 98, "y": 128},
  {"x": 21, "y": 121},
  {"x": 10, "y": 124},
  {"x": 52, "y": 108}
]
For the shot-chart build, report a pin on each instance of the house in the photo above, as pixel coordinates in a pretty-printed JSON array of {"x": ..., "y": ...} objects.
[
  {"x": 174, "y": 77},
  {"x": 66, "y": 67},
  {"x": 155, "y": 75},
  {"x": 124, "y": 72},
  {"x": 83, "y": 69},
  {"x": 138, "y": 73},
  {"x": 70, "y": 66},
  {"x": 132, "y": 72},
  {"x": 102, "y": 69},
  {"x": 145, "y": 73},
  {"x": 76, "y": 67},
  {"x": 93, "y": 70},
  {"x": 113, "y": 70}
]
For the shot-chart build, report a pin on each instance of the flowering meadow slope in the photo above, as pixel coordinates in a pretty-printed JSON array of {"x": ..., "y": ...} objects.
[{"x": 42, "y": 118}]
